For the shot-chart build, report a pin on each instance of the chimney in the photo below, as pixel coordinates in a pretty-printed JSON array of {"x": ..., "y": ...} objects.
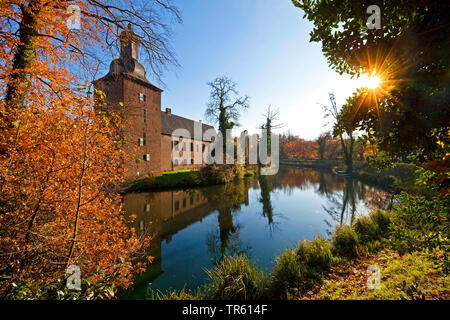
[
  {"x": 169, "y": 111},
  {"x": 200, "y": 121}
]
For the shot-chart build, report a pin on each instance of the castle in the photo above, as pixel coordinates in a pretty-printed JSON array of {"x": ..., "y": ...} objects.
[{"x": 148, "y": 134}]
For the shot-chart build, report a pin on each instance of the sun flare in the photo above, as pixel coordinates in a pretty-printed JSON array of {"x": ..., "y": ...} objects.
[{"x": 371, "y": 82}]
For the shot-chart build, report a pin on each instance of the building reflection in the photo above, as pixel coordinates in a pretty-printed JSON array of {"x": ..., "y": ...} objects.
[{"x": 163, "y": 214}]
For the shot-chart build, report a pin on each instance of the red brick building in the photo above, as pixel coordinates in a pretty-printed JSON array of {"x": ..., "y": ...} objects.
[{"x": 148, "y": 131}]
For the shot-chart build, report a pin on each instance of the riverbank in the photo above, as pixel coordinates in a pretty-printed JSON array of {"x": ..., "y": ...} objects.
[
  {"x": 314, "y": 164},
  {"x": 402, "y": 177},
  {"x": 408, "y": 244},
  {"x": 205, "y": 176}
]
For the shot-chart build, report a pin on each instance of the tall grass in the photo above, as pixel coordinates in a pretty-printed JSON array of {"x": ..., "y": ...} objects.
[{"x": 236, "y": 278}]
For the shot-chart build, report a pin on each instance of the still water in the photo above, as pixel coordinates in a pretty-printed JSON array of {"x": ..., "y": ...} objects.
[{"x": 259, "y": 216}]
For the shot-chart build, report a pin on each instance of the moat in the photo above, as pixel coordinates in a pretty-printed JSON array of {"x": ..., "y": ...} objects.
[{"x": 259, "y": 216}]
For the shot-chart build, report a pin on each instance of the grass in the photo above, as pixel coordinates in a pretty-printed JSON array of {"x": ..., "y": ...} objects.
[
  {"x": 350, "y": 281},
  {"x": 233, "y": 278},
  {"x": 287, "y": 274},
  {"x": 345, "y": 242},
  {"x": 315, "y": 256},
  {"x": 179, "y": 171},
  {"x": 204, "y": 176},
  {"x": 236, "y": 278}
]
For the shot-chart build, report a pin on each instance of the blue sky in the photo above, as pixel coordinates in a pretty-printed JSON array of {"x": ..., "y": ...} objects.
[{"x": 262, "y": 45}]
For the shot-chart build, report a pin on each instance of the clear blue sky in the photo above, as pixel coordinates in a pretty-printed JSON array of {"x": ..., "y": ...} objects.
[{"x": 262, "y": 45}]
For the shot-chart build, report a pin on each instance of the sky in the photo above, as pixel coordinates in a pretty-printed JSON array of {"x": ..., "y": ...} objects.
[{"x": 264, "y": 47}]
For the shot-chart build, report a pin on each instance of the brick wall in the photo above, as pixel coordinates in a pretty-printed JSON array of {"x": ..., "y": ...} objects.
[{"x": 138, "y": 124}]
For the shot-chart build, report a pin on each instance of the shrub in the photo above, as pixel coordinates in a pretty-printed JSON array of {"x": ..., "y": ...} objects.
[
  {"x": 383, "y": 220},
  {"x": 287, "y": 273},
  {"x": 345, "y": 241},
  {"x": 366, "y": 229},
  {"x": 236, "y": 278},
  {"x": 420, "y": 224},
  {"x": 315, "y": 255}
]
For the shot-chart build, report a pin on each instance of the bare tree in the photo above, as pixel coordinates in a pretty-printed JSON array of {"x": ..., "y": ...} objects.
[
  {"x": 339, "y": 129},
  {"x": 225, "y": 104},
  {"x": 270, "y": 117}
]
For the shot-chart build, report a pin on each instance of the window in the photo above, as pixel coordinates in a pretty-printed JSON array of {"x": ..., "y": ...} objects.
[
  {"x": 176, "y": 145},
  {"x": 184, "y": 146},
  {"x": 184, "y": 203},
  {"x": 143, "y": 140},
  {"x": 192, "y": 146},
  {"x": 185, "y": 161},
  {"x": 146, "y": 157},
  {"x": 177, "y": 204},
  {"x": 176, "y": 162},
  {"x": 203, "y": 147},
  {"x": 147, "y": 207},
  {"x": 144, "y": 115},
  {"x": 197, "y": 147},
  {"x": 142, "y": 97},
  {"x": 191, "y": 200}
]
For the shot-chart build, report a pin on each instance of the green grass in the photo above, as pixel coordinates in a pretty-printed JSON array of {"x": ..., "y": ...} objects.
[
  {"x": 179, "y": 171},
  {"x": 287, "y": 274},
  {"x": 349, "y": 282},
  {"x": 345, "y": 242},
  {"x": 236, "y": 278}
]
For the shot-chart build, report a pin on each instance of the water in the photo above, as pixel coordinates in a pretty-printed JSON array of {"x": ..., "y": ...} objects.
[{"x": 260, "y": 216}]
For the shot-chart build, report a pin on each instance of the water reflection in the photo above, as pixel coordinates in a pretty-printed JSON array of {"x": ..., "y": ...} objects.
[
  {"x": 224, "y": 239},
  {"x": 259, "y": 216}
]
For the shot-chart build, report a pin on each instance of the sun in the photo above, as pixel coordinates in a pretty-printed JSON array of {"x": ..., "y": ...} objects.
[{"x": 371, "y": 82}]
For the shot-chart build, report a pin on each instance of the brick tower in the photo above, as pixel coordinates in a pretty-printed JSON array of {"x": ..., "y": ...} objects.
[{"x": 129, "y": 94}]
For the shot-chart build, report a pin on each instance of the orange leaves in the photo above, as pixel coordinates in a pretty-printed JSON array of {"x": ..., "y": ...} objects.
[
  {"x": 301, "y": 149},
  {"x": 58, "y": 162}
]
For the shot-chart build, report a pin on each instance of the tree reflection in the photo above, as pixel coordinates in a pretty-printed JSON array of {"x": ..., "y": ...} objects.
[
  {"x": 225, "y": 240},
  {"x": 264, "y": 185}
]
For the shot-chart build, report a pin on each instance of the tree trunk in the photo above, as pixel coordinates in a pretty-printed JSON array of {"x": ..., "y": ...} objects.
[
  {"x": 78, "y": 206},
  {"x": 23, "y": 58}
]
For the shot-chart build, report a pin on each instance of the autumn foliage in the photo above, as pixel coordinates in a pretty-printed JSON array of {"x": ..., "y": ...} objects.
[
  {"x": 301, "y": 149},
  {"x": 59, "y": 160}
]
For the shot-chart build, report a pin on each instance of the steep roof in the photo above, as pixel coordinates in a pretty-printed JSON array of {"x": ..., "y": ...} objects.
[{"x": 171, "y": 122}]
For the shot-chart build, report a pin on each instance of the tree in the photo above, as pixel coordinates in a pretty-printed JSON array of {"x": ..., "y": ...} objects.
[
  {"x": 59, "y": 160},
  {"x": 408, "y": 113},
  {"x": 322, "y": 141},
  {"x": 300, "y": 149},
  {"x": 225, "y": 105},
  {"x": 35, "y": 38},
  {"x": 270, "y": 117},
  {"x": 343, "y": 128},
  {"x": 285, "y": 138}
]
